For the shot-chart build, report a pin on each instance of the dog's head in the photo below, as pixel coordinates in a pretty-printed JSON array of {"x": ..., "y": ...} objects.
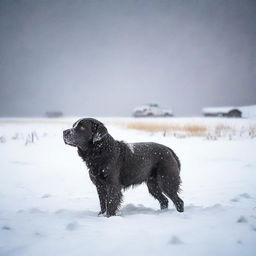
[{"x": 85, "y": 132}]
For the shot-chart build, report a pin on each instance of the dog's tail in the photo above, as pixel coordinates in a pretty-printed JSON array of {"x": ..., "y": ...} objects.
[{"x": 176, "y": 158}]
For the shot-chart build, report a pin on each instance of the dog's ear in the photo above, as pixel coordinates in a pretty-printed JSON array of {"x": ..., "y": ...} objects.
[{"x": 99, "y": 132}]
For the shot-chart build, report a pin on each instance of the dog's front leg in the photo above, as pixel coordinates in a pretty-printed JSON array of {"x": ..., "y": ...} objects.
[
  {"x": 102, "y": 193},
  {"x": 114, "y": 199}
]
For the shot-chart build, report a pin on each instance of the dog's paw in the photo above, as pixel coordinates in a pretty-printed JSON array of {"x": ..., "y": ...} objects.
[
  {"x": 110, "y": 214},
  {"x": 164, "y": 206},
  {"x": 179, "y": 206},
  {"x": 101, "y": 213}
]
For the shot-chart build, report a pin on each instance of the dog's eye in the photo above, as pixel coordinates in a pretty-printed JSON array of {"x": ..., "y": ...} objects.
[{"x": 82, "y": 128}]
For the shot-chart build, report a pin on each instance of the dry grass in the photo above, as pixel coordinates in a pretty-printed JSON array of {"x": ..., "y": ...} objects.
[
  {"x": 195, "y": 130},
  {"x": 177, "y": 130},
  {"x": 222, "y": 130},
  {"x": 192, "y": 130}
]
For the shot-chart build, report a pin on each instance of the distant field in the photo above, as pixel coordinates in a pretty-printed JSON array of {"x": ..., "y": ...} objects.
[{"x": 210, "y": 128}]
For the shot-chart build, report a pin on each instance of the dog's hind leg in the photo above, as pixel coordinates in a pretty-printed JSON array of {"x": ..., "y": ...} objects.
[
  {"x": 178, "y": 202},
  {"x": 170, "y": 187},
  {"x": 156, "y": 192}
]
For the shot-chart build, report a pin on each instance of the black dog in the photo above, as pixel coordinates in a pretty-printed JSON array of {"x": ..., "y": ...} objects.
[{"x": 114, "y": 165}]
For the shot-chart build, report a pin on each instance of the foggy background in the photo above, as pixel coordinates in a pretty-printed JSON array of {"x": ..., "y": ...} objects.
[{"x": 103, "y": 58}]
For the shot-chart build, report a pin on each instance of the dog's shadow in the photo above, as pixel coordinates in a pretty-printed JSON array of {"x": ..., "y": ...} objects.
[{"x": 131, "y": 209}]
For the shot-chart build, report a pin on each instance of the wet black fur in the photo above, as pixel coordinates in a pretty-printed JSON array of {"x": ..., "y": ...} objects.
[{"x": 115, "y": 165}]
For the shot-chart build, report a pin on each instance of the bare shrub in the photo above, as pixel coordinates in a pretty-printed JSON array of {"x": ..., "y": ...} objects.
[
  {"x": 31, "y": 138},
  {"x": 252, "y": 131},
  {"x": 16, "y": 136},
  {"x": 2, "y": 139},
  {"x": 223, "y": 130}
]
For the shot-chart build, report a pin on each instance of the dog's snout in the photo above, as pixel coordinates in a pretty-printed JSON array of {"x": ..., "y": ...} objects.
[
  {"x": 68, "y": 137},
  {"x": 66, "y": 132}
]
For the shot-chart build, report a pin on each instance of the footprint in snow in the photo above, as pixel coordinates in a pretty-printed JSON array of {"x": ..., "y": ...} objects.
[
  {"x": 245, "y": 195},
  {"x": 242, "y": 219},
  {"x": 5, "y": 227},
  {"x": 235, "y": 200},
  {"x": 175, "y": 240},
  {"x": 35, "y": 211},
  {"x": 241, "y": 196},
  {"x": 72, "y": 226},
  {"x": 46, "y": 196},
  {"x": 20, "y": 163}
]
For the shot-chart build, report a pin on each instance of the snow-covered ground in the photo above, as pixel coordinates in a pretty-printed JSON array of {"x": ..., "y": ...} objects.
[{"x": 48, "y": 205}]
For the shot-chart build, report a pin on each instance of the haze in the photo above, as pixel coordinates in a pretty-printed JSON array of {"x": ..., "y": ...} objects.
[{"x": 103, "y": 58}]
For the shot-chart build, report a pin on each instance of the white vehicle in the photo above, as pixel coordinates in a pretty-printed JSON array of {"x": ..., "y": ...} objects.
[{"x": 151, "y": 110}]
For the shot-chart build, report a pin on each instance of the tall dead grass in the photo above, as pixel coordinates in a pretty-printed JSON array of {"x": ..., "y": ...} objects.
[
  {"x": 193, "y": 130},
  {"x": 188, "y": 129},
  {"x": 252, "y": 131}
]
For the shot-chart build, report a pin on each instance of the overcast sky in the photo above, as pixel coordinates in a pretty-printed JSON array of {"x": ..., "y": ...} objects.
[{"x": 103, "y": 58}]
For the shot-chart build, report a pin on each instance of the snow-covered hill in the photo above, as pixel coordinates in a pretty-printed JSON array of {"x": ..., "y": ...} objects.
[{"x": 48, "y": 205}]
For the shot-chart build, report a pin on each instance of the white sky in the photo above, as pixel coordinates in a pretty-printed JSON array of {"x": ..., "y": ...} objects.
[{"x": 104, "y": 58}]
